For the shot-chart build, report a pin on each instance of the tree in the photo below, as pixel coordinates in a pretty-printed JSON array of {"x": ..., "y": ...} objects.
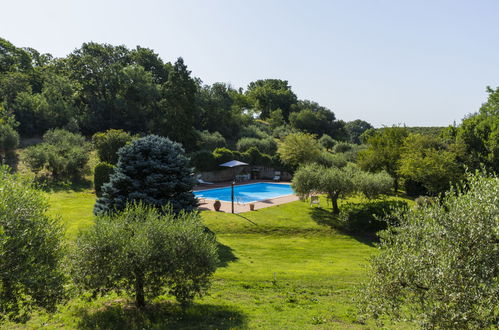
[
  {"x": 426, "y": 160},
  {"x": 177, "y": 107},
  {"x": 438, "y": 264},
  {"x": 338, "y": 182},
  {"x": 268, "y": 95},
  {"x": 383, "y": 152},
  {"x": 479, "y": 134},
  {"x": 153, "y": 170},
  {"x": 146, "y": 253},
  {"x": 210, "y": 141},
  {"x": 63, "y": 154},
  {"x": 9, "y": 139},
  {"x": 267, "y": 145},
  {"x": 355, "y": 129},
  {"x": 30, "y": 248},
  {"x": 299, "y": 148},
  {"x": 109, "y": 142}
]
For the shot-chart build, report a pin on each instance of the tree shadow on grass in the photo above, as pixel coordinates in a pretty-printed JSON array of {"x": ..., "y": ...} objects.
[
  {"x": 49, "y": 185},
  {"x": 328, "y": 218},
  {"x": 225, "y": 255},
  {"x": 163, "y": 315}
]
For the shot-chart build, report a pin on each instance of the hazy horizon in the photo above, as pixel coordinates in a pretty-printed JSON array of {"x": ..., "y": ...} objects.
[{"x": 418, "y": 64}]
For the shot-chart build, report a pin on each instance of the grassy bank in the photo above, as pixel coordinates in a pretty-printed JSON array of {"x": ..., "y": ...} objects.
[{"x": 279, "y": 269}]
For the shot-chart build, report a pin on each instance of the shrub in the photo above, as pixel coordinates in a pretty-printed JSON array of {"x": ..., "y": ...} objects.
[
  {"x": 252, "y": 131},
  {"x": 64, "y": 154},
  {"x": 328, "y": 159},
  {"x": 327, "y": 142},
  {"x": 102, "y": 174},
  {"x": 299, "y": 148},
  {"x": 367, "y": 217},
  {"x": 211, "y": 141},
  {"x": 109, "y": 142},
  {"x": 30, "y": 249},
  {"x": 254, "y": 157},
  {"x": 222, "y": 155},
  {"x": 9, "y": 139},
  {"x": 372, "y": 185},
  {"x": 266, "y": 146},
  {"x": 203, "y": 160},
  {"x": 146, "y": 253},
  {"x": 153, "y": 170},
  {"x": 342, "y": 147}
]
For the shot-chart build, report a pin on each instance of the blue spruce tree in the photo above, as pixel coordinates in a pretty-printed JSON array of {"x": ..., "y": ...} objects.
[{"x": 152, "y": 170}]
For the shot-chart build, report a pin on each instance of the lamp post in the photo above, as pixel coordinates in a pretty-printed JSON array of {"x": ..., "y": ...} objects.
[
  {"x": 232, "y": 164},
  {"x": 232, "y": 195}
]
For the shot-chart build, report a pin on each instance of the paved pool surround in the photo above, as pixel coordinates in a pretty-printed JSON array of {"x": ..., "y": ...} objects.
[{"x": 240, "y": 208}]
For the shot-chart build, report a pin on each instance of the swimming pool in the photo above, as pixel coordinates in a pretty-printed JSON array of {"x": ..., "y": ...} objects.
[{"x": 247, "y": 193}]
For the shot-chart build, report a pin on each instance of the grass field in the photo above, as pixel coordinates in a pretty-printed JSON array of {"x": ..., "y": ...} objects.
[{"x": 279, "y": 269}]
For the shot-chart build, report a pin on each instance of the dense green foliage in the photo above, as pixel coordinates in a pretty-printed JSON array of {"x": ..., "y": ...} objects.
[
  {"x": 425, "y": 160},
  {"x": 438, "y": 263},
  {"x": 30, "y": 249},
  {"x": 152, "y": 170},
  {"x": 299, "y": 148},
  {"x": 384, "y": 151},
  {"x": 102, "y": 174},
  {"x": 146, "y": 253},
  {"x": 64, "y": 155},
  {"x": 108, "y": 143}
]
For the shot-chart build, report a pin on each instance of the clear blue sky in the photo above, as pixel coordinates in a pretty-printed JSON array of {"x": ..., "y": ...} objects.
[{"x": 422, "y": 63}]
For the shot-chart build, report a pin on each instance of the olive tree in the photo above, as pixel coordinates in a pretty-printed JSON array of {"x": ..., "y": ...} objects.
[
  {"x": 30, "y": 248},
  {"x": 338, "y": 182},
  {"x": 438, "y": 265},
  {"x": 146, "y": 252}
]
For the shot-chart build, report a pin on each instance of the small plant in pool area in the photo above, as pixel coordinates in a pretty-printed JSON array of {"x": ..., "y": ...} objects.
[{"x": 217, "y": 205}]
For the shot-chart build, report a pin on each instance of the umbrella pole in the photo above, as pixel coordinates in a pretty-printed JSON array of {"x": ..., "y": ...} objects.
[{"x": 232, "y": 190}]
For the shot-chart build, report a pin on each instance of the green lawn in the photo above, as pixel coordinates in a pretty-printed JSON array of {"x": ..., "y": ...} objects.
[{"x": 280, "y": 269}]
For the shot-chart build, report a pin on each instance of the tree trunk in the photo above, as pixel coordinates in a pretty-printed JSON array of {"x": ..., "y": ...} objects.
[
  {"x": 334, "y": 201},
  {"x": 139, "y": 290}
]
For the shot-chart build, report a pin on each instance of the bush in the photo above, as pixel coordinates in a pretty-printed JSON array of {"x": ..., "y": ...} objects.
[
  {"x": 63, "y": 154},
  {"x": 153, "y": 170},
  {"x": 9, "y": 139},
  {"x": 30, "y": 249},
  {"x": 266, "y": 146},
  {"x": 254, "y": 157},
  {"x": 109, "y": 142},
  {"x": 332, "y": 160},
  {"x": 372, "y": 185},
  {"x": 343, "y": 147},
  {"x": 358, "y": 218},
  {"x": 252, "y": 131},
  {"x": 211, "y": 141},
  {"x": 203, "y": 160},
  {"x": 327, "y": 142},
  {"x": 102, "y": 174},
  {"x": 222, "y": 155},
  {"x": 146, "y": 253}
]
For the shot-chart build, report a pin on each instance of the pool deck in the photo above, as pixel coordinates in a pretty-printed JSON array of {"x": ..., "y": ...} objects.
[{"x": 240, "y": 208}]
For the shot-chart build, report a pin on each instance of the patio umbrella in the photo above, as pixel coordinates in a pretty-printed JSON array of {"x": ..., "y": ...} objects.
[{"x": 232, "y": 164}]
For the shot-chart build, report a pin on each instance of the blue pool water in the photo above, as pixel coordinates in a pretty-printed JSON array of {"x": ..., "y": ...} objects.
[{"x": 247, "y": 193}]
